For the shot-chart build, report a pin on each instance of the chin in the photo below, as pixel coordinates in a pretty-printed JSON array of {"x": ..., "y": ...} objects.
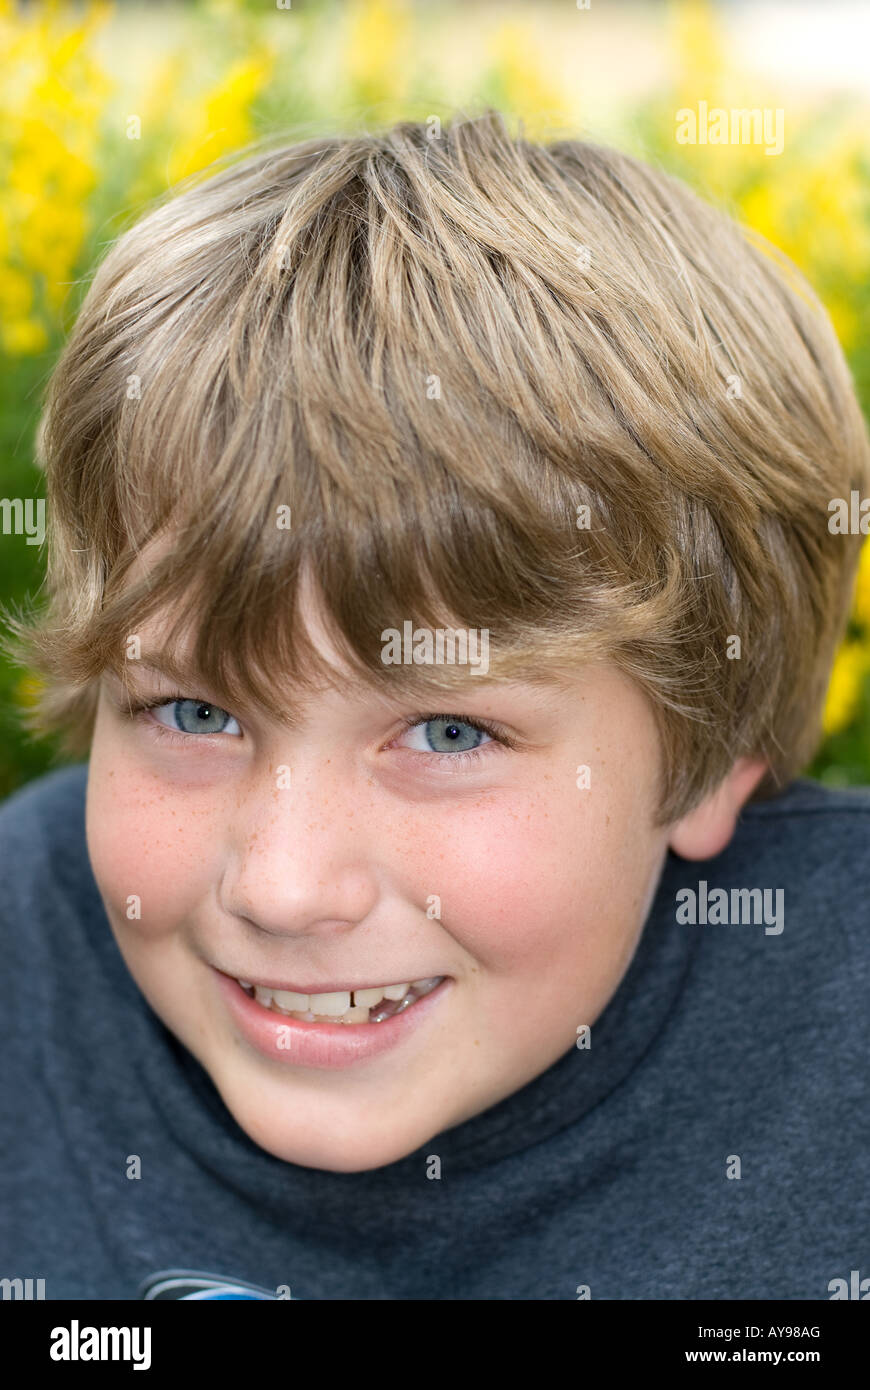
[
  {"x": 352, "y": 1157},
  {"x": 358, "y": 1151}
]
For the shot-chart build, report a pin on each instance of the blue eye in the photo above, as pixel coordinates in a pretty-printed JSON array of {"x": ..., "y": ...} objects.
[
  {"x": 446, "y": 734},
  {"x": 189, "y": 716}
]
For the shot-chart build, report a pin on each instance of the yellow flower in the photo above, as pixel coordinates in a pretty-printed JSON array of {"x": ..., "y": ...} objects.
[
  {"x": 27, "y": 689},
  {"x": 16, "y": 293},
  {"x": 761, "y": 210},
  {"x": 697, "y": 40},
  {"x": 851, "y": 666},
  {"x": 375, "y": 67},
  {"x": 525, "y": 89},
  {"x": 221, "y": 119},
  {"x": 51, "y": 109},
  {"x": 21, "y": 337}
]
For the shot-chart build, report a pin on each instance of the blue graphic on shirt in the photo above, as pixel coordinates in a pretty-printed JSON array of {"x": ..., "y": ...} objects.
[{"x": 190, "y": 1284}]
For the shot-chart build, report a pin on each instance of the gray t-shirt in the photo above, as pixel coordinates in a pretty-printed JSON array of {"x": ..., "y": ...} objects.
[{"x": 713, "y": 1142}]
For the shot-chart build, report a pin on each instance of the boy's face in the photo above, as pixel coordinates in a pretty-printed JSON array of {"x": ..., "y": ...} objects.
[{"x": 337, "y": 879}]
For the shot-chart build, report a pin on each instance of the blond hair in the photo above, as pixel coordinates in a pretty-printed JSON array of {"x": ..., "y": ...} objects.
[{"x": 436, "y": 348}]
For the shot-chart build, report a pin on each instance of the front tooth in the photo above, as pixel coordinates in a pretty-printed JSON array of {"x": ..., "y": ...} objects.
[
  {"x": 356, "y": 1015},
  {"x": 367, "y": 998},
  {"x": 291, "y": 1001},
  {"x": 337, "y": 1003},
  {"x": 396, "y": 991}
]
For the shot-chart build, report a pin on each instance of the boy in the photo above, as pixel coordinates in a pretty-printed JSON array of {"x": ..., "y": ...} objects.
[{"x": 442, "y": 592}]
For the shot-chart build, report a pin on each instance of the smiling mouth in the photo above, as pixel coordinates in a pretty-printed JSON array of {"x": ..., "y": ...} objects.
[{"x": 343, "y": 1006}]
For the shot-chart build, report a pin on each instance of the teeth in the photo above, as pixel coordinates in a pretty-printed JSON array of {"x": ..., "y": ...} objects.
[
  {"x": 291, "y": 1001},
  {"x": 396, "y": 991},
  {"x": 329, "y": 1003},
  {"x": 344, "y": 1006},
  {"x": 357, "y": 1015},
  {"x": 367, "y": 997}
]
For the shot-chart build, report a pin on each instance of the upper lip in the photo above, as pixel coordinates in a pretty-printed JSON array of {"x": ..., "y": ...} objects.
[{"x": 330, "y": 988}]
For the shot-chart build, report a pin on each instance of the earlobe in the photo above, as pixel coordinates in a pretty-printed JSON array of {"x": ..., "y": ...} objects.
[{"x": 705, "y": 831}]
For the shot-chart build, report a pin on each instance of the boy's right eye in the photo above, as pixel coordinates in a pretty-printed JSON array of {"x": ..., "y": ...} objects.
[
  {"x": 183, "y": 715},
  {"x": 186, "y": 714}
]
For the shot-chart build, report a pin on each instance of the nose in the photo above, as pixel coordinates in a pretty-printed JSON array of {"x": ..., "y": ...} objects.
[{"x": 304, "y": 861}]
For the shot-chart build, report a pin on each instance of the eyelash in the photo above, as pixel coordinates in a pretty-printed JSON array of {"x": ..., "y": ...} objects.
[{"x": 133, "y": 709}]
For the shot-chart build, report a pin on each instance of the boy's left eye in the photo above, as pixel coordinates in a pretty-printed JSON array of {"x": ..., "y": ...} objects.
[{"x": 446, "y": 734}]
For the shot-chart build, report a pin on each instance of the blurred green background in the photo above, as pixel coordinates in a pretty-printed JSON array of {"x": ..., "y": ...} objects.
[{"x": 104, "y": 106}]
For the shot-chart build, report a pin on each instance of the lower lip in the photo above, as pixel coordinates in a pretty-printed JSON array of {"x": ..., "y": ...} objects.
[{"x": 329, "y": 1045}]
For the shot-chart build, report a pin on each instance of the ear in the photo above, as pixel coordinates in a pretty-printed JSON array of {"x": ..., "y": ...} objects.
[{"x": 706, "y": 830}]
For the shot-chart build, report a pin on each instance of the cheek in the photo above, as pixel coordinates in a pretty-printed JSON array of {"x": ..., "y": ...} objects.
[
  {"x": 529, "y": 877},
  {"x": 142, "y": 844}
]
